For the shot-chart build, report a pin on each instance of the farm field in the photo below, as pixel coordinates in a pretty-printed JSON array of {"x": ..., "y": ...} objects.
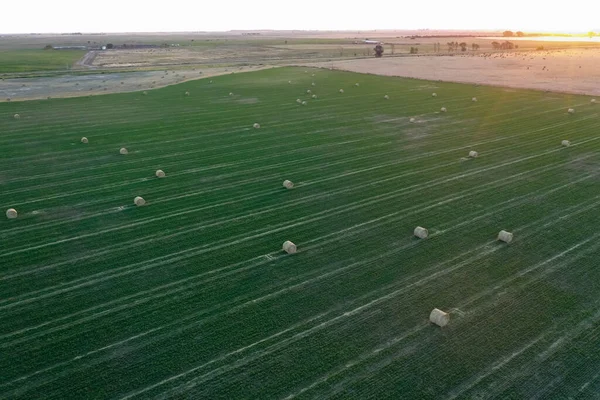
[
  {"x": 191, "y": 296},
  {"x": 37, "y": 60}
]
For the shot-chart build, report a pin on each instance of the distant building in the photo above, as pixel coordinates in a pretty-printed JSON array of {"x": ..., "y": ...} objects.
[{"x": 69, "y": 47}]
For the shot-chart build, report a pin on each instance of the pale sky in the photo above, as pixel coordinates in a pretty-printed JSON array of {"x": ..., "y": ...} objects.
[{"x": 42, "y": 16}]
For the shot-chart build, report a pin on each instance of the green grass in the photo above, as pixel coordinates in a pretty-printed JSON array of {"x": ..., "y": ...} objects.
[
  {"x": 191, "y": 296},
  {"x": 37, "y": 60}
]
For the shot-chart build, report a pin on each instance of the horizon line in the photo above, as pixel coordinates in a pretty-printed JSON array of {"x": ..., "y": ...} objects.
[{"x": 564, "y": 32}]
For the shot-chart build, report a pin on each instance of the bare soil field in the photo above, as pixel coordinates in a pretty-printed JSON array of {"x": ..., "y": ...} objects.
[
  {"x": 184, "y": 56},
  {"x": 570, "y": 71},
  {"x": 567, "y": 67},
  {"x": 82, "y": 85}
]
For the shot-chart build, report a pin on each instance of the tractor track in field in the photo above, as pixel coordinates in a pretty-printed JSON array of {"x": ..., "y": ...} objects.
[
  {"x": 219, "y": 166},
  {"x": 277, "y": 346},
  {"x": 425, "y": 185},
  {"x": 88, "y": 59},
  {"x": 386, "y": 218},
  {"x": 479, "y": 254},
  {"x": 196, "y": 286}
]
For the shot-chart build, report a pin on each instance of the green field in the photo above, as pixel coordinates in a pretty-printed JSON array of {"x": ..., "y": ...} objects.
[
  {"x": 38, "y": 60},
  {"x": 192, "y": 297}
]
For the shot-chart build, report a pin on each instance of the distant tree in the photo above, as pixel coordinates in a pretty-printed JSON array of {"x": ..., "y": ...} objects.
[
  {"x": 508, "y": 34},
  {"x": 520, "y": 34},
  {"x": 591, "y": 34},
  {"x": 110, "y": 46},
  {"x": 475, "y": 46},
  {"x": 463, "y": 46},
  {"x": 48, "y": 47},
  {"x": 495, "y": 45}
]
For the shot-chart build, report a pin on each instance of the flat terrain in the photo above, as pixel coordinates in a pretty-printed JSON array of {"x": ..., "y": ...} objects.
[
  {"x": 38, "y": 60},
  {"x": 570, "y": 70},
  {"x": 76, "y": 85},
  {"x": 191, "y": 296}
]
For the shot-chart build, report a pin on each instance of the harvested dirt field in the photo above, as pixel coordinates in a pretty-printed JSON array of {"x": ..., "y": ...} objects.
[
  {"x": 95, "y": 84},
  {"x": 239, "y": 54},
  {"x": 182, "y": 56},
  {"x": 572, "y": 71}
]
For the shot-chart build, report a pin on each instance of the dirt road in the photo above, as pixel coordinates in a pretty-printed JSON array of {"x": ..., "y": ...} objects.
[{"x": 88, "y": 59}]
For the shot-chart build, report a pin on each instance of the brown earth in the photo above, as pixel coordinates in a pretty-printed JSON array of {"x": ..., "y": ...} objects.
[{"x": 571, "y": 71}]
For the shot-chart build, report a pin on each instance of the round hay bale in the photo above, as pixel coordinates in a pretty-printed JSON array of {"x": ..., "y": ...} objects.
[
  {"x": 139, "y": 201},
  {"x": 474, "y": 99},
  {"x": 298, "y": 101},
  {"x": 123, "y": 151},
  {"x": 386, "y": 97},
  {"x": 187, "y": 93},
  {"x": 421, "y": 232},
  {"x": 356, "y": 84},
  {"x": 341, "y": 90},
  {"x": 314, "y": 96},
  {"x": 313, "y": 75},
  {"x": 11, "y": 213},
  {"x": 289, "y": 82},
  {"x": 571, "y": 111},
  {"x": 288, "y": 184},
  {"x": 313, "y": 84},
  {"x": 160, "y": 173},
  {"x": 145, "y": 93},
  {"x": 473, "y": 154},
  {"x": 593, "y": 101},
  {"x": 17, "y": 116},
  {"x": 443, "y": 109},
  {"x": 565, "y": 143},
  {"x": 256, "y": 125},
  {"x": 439, "y": 317},
  {"x": 289, "y": 247},
  {"x": 433, "y": 94},
  {"x": 505, "y": 236},
  {"x": 210, "y": 82},
  {"x": 84, "y": 140},
  {"x": 304, "y": 103},
  {"x": 230, "y": 93},
  {"x": 412, "y": 120},
  {"x": 308, "y": 91}
]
